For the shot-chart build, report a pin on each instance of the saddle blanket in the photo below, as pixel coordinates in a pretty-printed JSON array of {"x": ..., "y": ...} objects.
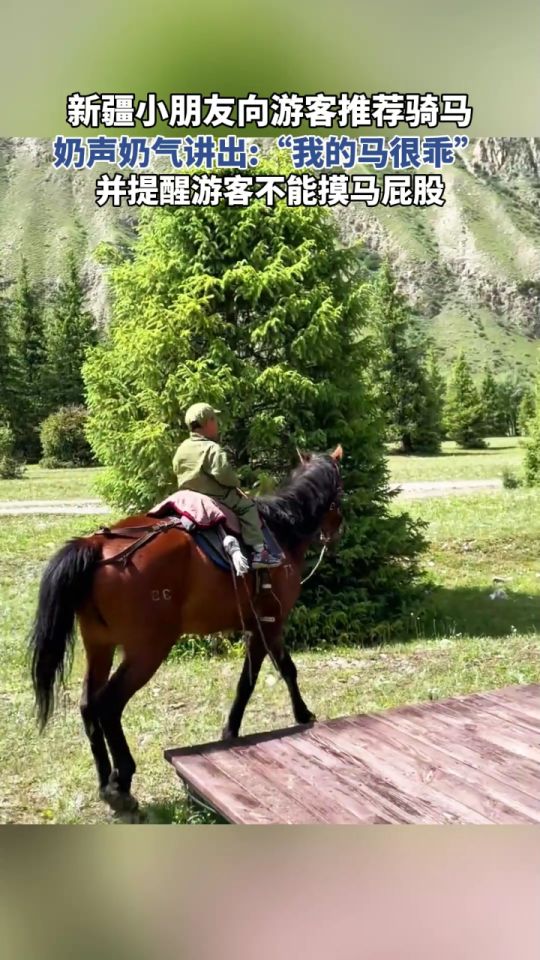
[
  {"x": 200, "y": 509},
  {"x": 204, "y": 515}
]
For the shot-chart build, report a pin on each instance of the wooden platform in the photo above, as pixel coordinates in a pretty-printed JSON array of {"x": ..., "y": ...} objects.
[{"x": 473, "y": 759}]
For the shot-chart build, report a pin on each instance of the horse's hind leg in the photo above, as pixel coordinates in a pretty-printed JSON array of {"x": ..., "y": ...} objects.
[
  {"x": 99, "y": 665},
  {"x": 131, "y": 675}
]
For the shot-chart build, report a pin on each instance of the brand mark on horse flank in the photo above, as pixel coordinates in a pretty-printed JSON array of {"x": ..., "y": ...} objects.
[{"x": 161, "y": 594}]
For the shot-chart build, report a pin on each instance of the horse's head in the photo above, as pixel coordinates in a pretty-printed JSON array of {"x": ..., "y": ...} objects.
[{"x": 331, "y": 523}]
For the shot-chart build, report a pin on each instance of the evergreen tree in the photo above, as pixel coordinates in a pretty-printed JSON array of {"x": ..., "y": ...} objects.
[
  {"x": 436, "y": 379},
  {"x": 532, "y": 448},
  {"x": 70, "y": 334},
  {"x": 463, "y": 412},
  {"x": 30, "y": 360},
  {"x": 492, "y": 400},
  {"x": 7, "y": 379},
  {"x": 405, "y": 392},
  {"x": 531, "y": 404},
  {"x": 10, "y": 466},
  {"x": 430, "y": 431},
  {"x": 527, "y": 408},
  {"x": 258, "y": 311},
  {"x": 511, "y": 391}
]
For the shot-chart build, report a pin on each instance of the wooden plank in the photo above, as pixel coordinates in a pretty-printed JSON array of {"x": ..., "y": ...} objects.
[
  {"x": 283, "y": 804},
  {"x": 491, "y": 729},
  {"x": 421, "y": 773},
  {"x": 340, "y": 805},
  {"x": 517, "y": 717},
  {"x": 379, "y": 780},
  {"x": 238, "y": 759},
  {"x": 388, "y": 792},
  {"x": 225, "y": 745},
  {"x": 496, "y": 761},
  {"x": 289, "y": 769},
  {"x": 516, "y": 706},
  {"x": 282, "y": 794},
  {"x": 473, "y": 759},
  {"x": 524, "y": 694},
  {"x": 525, "y": 697},
  {"x": 499, "y": 802},
  {"x": 505, "y": 710},
  {"x": 470, "y": 736},
  {"x": 345, "y": 782},
  {"x": 225, "y": 785},
  {"x": 226, "y": 795},
  {"x": 413, "y": 775},
  {"x": 514, "y": 785}
]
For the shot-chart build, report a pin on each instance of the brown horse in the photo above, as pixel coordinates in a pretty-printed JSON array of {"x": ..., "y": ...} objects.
[{"x": 168, "y": 589}]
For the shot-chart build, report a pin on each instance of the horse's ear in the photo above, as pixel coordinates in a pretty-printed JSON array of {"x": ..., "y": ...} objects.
[{"x": 338, "y": 453}]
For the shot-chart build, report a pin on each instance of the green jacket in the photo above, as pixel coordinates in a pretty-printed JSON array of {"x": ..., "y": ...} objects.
[{"x": 202, "y": 465}]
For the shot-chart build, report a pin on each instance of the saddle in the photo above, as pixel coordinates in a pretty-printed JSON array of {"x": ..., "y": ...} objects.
[{"x": 214, "y": 528}]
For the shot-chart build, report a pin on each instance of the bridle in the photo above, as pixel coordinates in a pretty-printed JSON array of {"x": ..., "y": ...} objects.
[{"x": 324, "y": 538}]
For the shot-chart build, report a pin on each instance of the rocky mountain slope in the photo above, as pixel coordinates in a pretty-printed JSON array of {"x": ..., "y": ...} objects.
[
  {"x": 470, "y": 268},
  {"x": 46, "y": 212}
]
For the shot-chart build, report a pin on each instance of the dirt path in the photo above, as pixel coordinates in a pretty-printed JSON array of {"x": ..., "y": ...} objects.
[
  {"x": 22, "y": 507},
  {"x": 416, "y": 490},
  {"x": 420, "y": 489}
]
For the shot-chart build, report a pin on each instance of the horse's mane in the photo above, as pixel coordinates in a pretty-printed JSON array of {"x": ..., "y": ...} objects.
[{"x": 295, "y": 512}]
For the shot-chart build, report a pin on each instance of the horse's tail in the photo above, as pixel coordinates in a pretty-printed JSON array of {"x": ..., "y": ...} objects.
[{"x": 64, "y": 587}]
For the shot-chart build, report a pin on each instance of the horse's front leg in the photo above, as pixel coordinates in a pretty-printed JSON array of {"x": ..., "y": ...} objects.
[
  {"x": 287, "y": 668},
  {"x": 255, "y": 654}
]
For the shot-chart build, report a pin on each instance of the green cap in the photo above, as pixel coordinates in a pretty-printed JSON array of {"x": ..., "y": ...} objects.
[{"x": 200, "y": 413}]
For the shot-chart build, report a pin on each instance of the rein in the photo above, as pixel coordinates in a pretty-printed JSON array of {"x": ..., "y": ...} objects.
[
  {"x": 324, "y": 539},
  {"x": 317, "y": 565}
]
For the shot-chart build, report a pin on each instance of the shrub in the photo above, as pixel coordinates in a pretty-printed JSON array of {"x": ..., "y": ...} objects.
[
  {"x": 509, "y": 479},
  {"x": 10, "y": 467},
  {"x": 63, "y": 439}
]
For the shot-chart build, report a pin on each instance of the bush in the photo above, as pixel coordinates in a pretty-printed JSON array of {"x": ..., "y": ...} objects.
[
  {"x": 510, "y": 480},
  {"x": 10, "y": 467},
  {"x": 63, "y": 439}
]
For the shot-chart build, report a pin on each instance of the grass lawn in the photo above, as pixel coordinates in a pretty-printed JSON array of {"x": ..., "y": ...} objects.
[
  {"x": 453, "y": 464},
  {"x": 473, "y": 540},
  {"x": 457, "y": 464},
  {"x": 40, "y": 484},
  {"x": 469, "y": 643}
]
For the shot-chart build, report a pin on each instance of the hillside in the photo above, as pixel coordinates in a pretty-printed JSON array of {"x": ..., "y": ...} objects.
[
  {"x": 471, "y": 268},
  {"x": 46, "y": 212}
]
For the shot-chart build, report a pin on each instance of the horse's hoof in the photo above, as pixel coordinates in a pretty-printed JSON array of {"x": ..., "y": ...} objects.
[
  {"x": 135, "y": 816},
  {"x": 119, "y": 801},
  {"x": 308, "y": 718},
  {"x": 227, "y": 734}
]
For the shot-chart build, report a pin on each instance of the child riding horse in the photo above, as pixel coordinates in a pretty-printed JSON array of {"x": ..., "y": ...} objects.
[{"x": 146, "y": 605}]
